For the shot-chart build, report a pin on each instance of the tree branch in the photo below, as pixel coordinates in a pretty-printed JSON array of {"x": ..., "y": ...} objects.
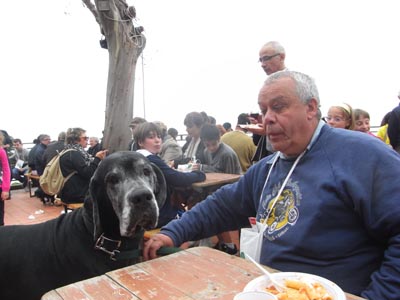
[{"x": 93, "y": 10}]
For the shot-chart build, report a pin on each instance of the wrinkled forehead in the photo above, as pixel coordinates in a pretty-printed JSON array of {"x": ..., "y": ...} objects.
[{"x": 267, "y": 51}]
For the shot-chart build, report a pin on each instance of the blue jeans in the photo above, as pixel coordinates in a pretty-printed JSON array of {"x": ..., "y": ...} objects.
[{"x": 18, "y": 175}]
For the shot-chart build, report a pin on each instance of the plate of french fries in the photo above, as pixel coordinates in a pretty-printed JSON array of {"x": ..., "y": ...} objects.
[{"x": 298, "y": 286}]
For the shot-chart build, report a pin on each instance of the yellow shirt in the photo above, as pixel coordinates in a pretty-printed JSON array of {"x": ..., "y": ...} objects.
[{"x": 382, "y": 133}]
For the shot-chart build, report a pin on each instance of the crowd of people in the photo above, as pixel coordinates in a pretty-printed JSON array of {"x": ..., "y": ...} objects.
[{"x": 322, "y": 186}]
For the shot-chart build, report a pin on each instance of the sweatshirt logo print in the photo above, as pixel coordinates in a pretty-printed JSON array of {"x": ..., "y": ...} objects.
[{"x": 284, "y": 214}]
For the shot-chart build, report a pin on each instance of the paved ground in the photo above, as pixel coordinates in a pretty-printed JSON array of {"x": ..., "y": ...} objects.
[{"x": 22, "y": 209}]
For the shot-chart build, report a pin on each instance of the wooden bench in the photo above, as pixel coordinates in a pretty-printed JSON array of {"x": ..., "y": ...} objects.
[
  {"x": 29, "y": 181},
  {"x": 67, "y": 206}
]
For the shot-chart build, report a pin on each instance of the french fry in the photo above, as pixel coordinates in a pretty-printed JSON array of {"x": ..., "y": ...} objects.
[
  {"x": 294, "y": 284},
  {"x": 301, "y": 290}
]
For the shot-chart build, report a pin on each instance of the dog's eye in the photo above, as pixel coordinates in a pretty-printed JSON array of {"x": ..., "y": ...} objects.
[
  {"x": 112, "y": 178},
  {"x": 146, "y": 172}
]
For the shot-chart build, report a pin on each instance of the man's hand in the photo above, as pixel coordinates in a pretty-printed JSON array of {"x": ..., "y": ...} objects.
[
  {"x": 154, "y": 243},
  {"x": 102, "y": 154}
]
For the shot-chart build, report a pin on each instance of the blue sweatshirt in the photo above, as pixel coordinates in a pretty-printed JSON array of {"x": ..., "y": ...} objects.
[{"x": 338, "y": 216}]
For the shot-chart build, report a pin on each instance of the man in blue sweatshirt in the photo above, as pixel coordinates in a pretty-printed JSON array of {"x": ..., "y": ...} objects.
[{"x": 329, "y": 196}]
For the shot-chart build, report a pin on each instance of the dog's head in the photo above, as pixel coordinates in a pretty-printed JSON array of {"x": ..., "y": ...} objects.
[{"x": 127, "y": 192}]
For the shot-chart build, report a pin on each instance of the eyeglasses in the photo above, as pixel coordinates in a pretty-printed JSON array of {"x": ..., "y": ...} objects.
[
  {"x": 267, "y": 58},
  {"x": 334, "y": 119},
  {"x": 86, "y": 138}
]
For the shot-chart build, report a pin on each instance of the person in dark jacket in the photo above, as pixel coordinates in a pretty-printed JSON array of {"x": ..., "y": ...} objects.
[
  {"x": 79, "y": 161},
  {"x": 31, "y": 157},
  {"x": 95, "y": 145},
  {"x": 39, "y": 164},
  {"x": 54, "y": 147},
  {"x": 393, "y": 129},
  {"x": 148, "y": 138}
]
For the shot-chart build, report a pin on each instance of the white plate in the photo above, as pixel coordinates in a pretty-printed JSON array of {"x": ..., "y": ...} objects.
[
  {"x": 254, "y": 295},
  {"x": 262, "y": 282}
]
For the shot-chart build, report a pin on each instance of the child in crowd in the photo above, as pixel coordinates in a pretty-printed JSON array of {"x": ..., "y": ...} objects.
[
  {"x": 219, "y": 158},
  {"x": 148, "y": 138},
  {"x": 5, "y": 178},
  {"x": 362, "y": 120},
  {"x": 340, "y": 116}
]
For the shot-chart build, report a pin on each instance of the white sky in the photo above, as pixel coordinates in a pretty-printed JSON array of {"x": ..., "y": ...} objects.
[{"x": 200, "y": 56}]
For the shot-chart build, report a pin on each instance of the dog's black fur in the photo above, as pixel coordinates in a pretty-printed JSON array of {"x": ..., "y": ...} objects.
[{"x": 125, "y": 193}]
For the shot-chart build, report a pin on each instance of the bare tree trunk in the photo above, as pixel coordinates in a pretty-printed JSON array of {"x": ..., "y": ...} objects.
[{"x": 125, "y": 43}]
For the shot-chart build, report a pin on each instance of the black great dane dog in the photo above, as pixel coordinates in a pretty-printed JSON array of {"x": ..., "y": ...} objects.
[{"x": 125, "y": 194}]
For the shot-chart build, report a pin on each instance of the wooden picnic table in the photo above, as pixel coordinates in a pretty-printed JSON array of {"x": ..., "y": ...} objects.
[
  {"x": 215, "y": 180},
  {"x": 196, "y": 273}
]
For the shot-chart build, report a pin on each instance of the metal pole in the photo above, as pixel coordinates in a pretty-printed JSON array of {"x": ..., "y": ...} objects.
[{"x": 144, "y": 100}]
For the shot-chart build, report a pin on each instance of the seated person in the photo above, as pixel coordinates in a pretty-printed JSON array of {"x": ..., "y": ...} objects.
[
  {"x": 193, "y": 148},
  {"x": 21, "y": 165},
  {"x": 361, "y": 121},
  {"x": 40, "y": 164},
  {"x": 170, "y": 149},
  {"x": 327, "y": 201},
  {"x": 31, "y": 157},
  {"x": 148, "y": 139},
  {"x": 241, "y": 143},
  {"x": 382, "y": 131},
  {"x": 95, "y": 145},
  {"x": 340, "y": 116},
  {"x": 79, "y": 161},
  {"x": 54, "y": 147},
  {"x": 219, "y": 158},
  {"x": 227, "y": 126}
]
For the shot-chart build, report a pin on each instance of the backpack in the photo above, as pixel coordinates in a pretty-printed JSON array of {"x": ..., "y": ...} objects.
[{"x": 52, "y": 180}]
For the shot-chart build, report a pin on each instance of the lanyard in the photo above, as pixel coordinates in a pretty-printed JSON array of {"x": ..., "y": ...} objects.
[{"x": 284, "y": 182}]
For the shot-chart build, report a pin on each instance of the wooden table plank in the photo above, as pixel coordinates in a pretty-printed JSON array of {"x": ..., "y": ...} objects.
[
  {"x": 52, "y": 295},
  {"x": 96, "y": 288},
  {"x": 196, "y": 273},
  {"x": 216, "y": 179},
  {"x": 146, "y": 285}
]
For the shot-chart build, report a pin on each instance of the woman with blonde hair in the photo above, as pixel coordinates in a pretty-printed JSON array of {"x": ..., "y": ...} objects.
[
  {"x": 5, "y": 178},
  {"x": 340, "y": 116}
]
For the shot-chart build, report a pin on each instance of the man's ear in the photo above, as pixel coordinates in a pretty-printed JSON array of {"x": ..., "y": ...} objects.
[{"x": 312, "y": 108}]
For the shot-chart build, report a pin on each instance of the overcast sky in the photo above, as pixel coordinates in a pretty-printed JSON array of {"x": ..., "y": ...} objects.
[{"x": 200, "y": 56}]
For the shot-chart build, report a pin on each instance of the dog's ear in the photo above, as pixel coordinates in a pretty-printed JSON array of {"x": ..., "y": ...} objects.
[
  {"x": 160, "y": 189},
  {"x": 96, "y": 215}
]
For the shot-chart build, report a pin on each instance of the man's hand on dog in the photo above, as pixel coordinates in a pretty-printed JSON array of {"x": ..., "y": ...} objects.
[{"x": 154, "y": 243}]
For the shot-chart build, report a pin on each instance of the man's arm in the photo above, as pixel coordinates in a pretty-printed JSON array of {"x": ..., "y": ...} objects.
[{"x": 226, "y": 209}]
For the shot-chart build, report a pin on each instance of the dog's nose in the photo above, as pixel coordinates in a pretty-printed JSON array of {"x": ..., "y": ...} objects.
[{"x": 141, "y": 196}]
